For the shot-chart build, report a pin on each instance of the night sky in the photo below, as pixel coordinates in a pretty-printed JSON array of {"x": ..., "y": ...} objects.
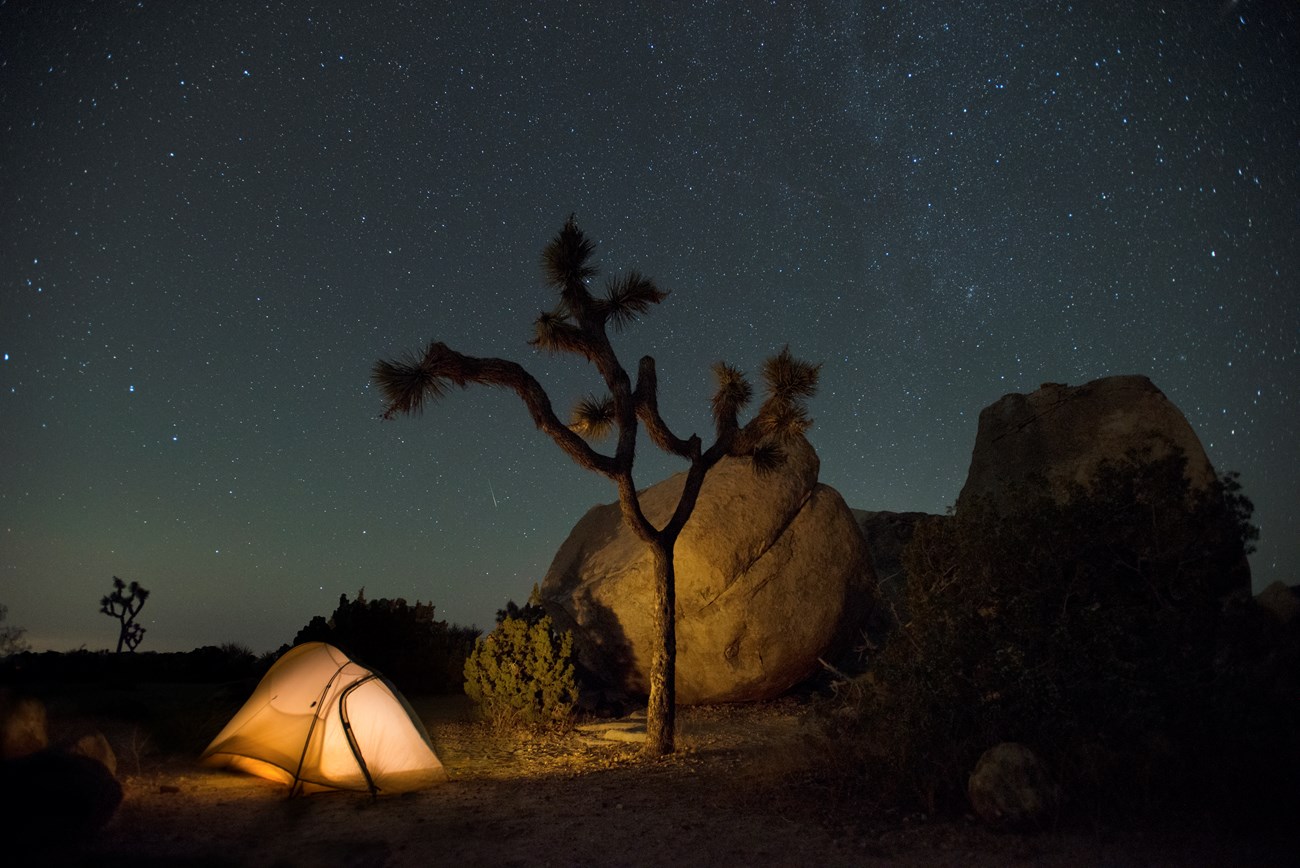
[{"x": 215, "y": 218}]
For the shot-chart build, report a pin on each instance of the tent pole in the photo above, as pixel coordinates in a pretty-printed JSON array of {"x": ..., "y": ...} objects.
[
  {"x": 352, "y": 740},
  {"x": 306, "y": 742}
]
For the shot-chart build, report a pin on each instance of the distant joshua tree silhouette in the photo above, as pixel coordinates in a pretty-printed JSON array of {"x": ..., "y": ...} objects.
[
  {"x": 578, "y": 324},
  {"x": 11, "y": 637},
  {"x": 124, "y": 604}
]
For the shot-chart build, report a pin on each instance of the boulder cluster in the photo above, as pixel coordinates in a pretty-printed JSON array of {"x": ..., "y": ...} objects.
[{"x": 775, "y": 573}]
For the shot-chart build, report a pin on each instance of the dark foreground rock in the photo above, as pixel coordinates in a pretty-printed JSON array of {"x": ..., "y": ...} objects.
[
  {"x": 1010, "y": 789},
  {"x": 52, "y": 798}
]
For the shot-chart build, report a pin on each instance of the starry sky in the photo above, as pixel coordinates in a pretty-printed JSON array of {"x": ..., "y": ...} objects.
[{"x": 215, "y": 217}]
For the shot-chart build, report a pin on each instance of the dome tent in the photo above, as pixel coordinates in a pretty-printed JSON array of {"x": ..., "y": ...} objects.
[{"x": 319, "y": 721}]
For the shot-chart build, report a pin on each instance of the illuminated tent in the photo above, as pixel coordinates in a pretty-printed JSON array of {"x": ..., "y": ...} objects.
[{"x": 318, "y": 721}]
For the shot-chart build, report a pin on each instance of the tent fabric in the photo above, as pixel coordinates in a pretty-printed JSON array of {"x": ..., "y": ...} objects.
[{"x": 319, "y": 721}]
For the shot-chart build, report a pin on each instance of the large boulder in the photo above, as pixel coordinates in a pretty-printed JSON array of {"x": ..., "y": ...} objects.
[
  {"x": 1063, "y": 433},
  {"x": 772, "y": 572}
]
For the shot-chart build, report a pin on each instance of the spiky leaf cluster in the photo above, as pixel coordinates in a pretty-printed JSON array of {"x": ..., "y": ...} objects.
[
  {"x": 555, "y": 332},
  {"x": 577, "y": 324},
  {"x": 783, "y": 416},
  {"x": 628, "y": 297},
  {"x": 788, "y": 379},
  {"x": 407, "y": 381},
  {"x": 734, "y": 392},
  {"x": 566, "y": 261},
  {"x": 593, "y": 417}
]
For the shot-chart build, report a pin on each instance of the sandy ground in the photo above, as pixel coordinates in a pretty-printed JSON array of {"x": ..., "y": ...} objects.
[{"x": 734, "y": 794}]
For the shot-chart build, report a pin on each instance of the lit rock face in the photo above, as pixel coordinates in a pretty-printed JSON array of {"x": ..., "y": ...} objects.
[
  {"x": 1062, "y": 433},
  {"x": 771, "y": 572}
]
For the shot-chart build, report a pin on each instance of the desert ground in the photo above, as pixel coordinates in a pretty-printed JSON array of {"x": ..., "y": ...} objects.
[{"x": 737, "y": 792}]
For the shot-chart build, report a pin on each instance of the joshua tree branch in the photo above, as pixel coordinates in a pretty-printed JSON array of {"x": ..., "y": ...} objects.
[
  {"x": 647, "y": 410},
  {"x": 405, "y": 383}
]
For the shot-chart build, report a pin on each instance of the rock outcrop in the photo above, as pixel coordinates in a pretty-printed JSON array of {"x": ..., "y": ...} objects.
[
  {"x": 771, "y": 572},
  {"x": 1060, "y": 435},
  {"x": 1063, "y": 433}
]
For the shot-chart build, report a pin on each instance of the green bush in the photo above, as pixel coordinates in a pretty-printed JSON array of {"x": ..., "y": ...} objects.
[
  {"x": 521, "y": 674},
  {"x": 1089, "y": 628}
]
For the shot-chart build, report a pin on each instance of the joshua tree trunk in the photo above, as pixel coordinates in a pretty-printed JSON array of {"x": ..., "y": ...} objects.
[{"x": 661, "y": 710}]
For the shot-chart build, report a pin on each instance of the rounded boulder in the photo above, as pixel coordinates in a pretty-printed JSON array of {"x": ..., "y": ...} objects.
[{"x": 771, "y": 572}]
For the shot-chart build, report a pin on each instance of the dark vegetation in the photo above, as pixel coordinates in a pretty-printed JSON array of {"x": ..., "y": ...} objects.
[
  {"x": 405, "y": 642},
  {"x": 208, "y": 664},
  {"x": 579, "y": 324},
  {"x": 1094, "y": 630},
  {"x": 147, "y": 703}
]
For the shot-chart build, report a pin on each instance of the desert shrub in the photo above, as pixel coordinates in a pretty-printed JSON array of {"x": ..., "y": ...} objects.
[
  {"x": 521, "y": 674},
  {"x": 403, "y": 641},
  {"x": 1087, "y": 628}
]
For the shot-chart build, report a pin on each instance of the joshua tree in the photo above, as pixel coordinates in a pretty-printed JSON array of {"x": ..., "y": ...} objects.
[
  {"x": 579, "y": 324},
  {"x": 124, "y": 604}
]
